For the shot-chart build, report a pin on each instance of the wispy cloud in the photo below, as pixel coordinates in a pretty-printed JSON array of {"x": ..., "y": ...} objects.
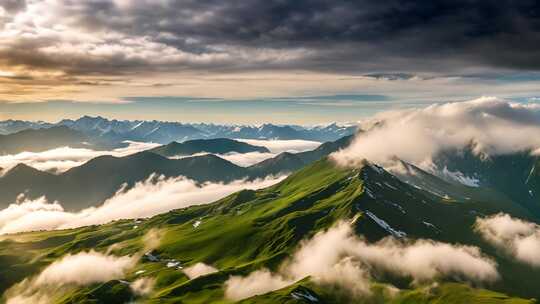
[
  {"x": 63, "y": 158},
  {"x": 517, "y": 237},
  {"x": 153, "y": 196},
  {"x": 278, "y": 146},
  {"x": 70, "y": 270}
]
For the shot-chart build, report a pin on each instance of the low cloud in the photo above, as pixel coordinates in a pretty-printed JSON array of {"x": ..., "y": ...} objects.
[
  {"x": 199, "y": 269},
  {"x": 258, "y": 282},
  {"x": 63, "y": 158},
  {"x": 279, "y": 146},
  {"x": 153, "y": 196},
  {"x": 340, "y": 258},
  {"x": 240, "y": 159},
  {"x": 78, "y": 269},
  {"x": 247, "y": 159},
  {"x": 275, "y": 147},
  {"x": 486, "y": 124},
  {"x": 518, "y": 238}
]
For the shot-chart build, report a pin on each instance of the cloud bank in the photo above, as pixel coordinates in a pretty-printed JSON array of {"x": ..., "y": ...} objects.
[
  {"x": 80, "y": 269},
  {"x": 519, "y": 238},
  {"x": 487, "y": 124},
  {"x": 64, "y": 158},
  {"x": 278, "y": 146},
  {"x": 153, "y": 196},
  {"x": 275, "y": 146},
  {"x": 77, "y": 269},
  {"x": 340, "y": 258}
]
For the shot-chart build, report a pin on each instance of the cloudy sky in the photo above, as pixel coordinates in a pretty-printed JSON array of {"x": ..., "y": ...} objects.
[{"x": 304, "y": 61}]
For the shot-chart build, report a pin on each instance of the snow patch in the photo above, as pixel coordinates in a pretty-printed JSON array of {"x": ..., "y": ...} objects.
[{"x": 383, "y": 224}]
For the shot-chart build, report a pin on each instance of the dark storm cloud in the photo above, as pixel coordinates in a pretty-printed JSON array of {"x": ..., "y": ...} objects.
[{"x": 360, "y": 37}]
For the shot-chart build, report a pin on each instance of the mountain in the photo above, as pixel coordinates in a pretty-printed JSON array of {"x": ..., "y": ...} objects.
[
  {"x": 12, "y": 126},
  {"x": 165, "y": 132},
  {"x": 36, "y": 140},
  {"x": 215, "y": 146},
  {"x": 514, "y": 175},
  {"x": 290, "y": 162},
  {"x": 251, "y": 230},
  {"x": 99, "y": 178}
]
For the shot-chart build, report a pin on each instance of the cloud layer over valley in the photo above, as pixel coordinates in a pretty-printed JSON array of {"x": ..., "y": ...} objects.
[
  {"x": 275, "y": 147},
  {"x": 150, "y": 197},
  {"x": 63, "y": 158}
]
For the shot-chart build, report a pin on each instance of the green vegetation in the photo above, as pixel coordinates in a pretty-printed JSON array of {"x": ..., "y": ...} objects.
[{"x": 252, "y": 229}]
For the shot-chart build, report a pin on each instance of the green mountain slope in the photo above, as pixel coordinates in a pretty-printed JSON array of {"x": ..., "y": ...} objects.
[
  {"x": 215, "y": 146},
  {"x": 252, "y": 229}
]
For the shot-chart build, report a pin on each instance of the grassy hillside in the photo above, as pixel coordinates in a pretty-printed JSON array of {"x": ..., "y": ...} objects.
[{"x": 252, "y": 229}]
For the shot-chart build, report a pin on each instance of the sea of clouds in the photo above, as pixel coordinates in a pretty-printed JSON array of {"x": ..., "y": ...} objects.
[
  {"x": 489, "y": 125},
  {"x": 63, "y": 158},
  {"x": 275, "y": 147}
]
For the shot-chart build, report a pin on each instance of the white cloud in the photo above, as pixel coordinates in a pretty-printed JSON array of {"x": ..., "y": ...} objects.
[
  {"x": 519, "y": 238},
  {"x": 278, "y": 146},
  {"x": 240, "y": 159},
  {"x": 63, "y": 158},
  {"x": 256, "y": 283},
  {"x": 415, "y": 136},
  {"x": 247, "y": 159},
  {"x": 275, "y": 147},
  {"x": 153, "y": 196},
  {"x": 80, "y": 269},
  {"x": 199, "y": 269},
  {"x": 338, "y": 257}
]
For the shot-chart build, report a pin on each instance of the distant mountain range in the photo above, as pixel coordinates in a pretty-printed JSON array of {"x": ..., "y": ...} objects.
[
  {"x": 166, "y": 132},
  {"x": 98, "y": 179},
  {"x": 37, "y": 140}
]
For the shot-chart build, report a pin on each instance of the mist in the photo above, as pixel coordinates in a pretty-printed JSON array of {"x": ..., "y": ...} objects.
[
  {"x": 64, "y": 158},
  {"x": 278, "y": 146},
  {"x": 153, "y": 196}
]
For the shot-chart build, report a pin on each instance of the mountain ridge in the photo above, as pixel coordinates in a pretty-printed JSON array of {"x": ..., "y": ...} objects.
[{"x": 165, "y": 132}]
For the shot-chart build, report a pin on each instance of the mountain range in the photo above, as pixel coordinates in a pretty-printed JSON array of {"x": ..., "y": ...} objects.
[
  {"x": 165, "y": 132},
  {"x": 256, "y": 232},
  {"x": 253, "y": 230},
  {"x": 98, "y": 179},
  {"x": 38, "y": 140}
]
